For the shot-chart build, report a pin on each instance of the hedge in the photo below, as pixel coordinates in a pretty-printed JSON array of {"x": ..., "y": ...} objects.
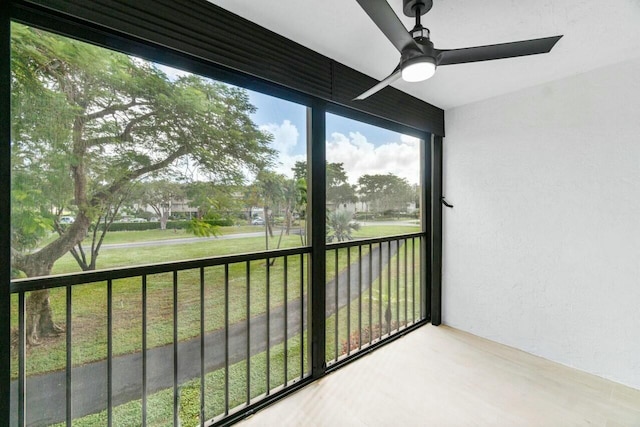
[{"x": 171, "y": 225}]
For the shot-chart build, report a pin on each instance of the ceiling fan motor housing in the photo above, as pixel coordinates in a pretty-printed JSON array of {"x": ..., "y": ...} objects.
[
  {"x": 420, "y": 33},
  {"x": 410, "y": 7}
]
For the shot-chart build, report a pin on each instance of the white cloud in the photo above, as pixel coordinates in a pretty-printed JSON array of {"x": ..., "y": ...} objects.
[
  {"x": 401, "y": 158},
  {"x": 410, "y": 140},
  {"x": 285, "y": 135},
  {"x": 285, "y": 139}
]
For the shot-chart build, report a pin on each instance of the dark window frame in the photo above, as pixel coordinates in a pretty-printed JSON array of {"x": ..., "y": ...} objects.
[{"x": 77, "y": 28}]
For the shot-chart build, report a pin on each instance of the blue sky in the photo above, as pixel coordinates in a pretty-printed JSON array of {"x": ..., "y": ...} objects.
[
  {"x": 273, "y": 110},
  {"x": 362, "y": 148}
]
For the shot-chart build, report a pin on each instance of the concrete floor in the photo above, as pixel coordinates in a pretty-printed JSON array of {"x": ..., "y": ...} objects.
[{"x": 439, "y": 376}]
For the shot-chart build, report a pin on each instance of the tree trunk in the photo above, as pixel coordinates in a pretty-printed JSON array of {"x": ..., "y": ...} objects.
[
  {"x": 39, "y": 317},
  {"x": 267, "y": 220},
  {"x": 163, "y": 220}
]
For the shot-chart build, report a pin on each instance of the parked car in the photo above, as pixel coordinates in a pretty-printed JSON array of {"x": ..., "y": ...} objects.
[
  {"x": 67, "y": 220},
  {"x": 137, "y": 220},
  {"x": 257, "y": 221}
]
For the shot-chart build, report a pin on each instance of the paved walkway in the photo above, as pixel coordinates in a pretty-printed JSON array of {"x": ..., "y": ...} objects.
[{"x": 46, "y": 394}]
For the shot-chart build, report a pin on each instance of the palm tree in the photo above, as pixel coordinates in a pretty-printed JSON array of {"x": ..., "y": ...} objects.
[
  {"x": 340, "y": 226},
  {"x": 270, "y": 185}
]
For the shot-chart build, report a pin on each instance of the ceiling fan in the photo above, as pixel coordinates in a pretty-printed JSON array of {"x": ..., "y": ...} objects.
[{"x": 418, "y": 57}]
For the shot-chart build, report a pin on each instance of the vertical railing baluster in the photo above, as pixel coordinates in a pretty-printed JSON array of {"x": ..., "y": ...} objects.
[
  {"x": 387, "y": 316},
  {"x": 22, "y": 346},
  {"x": 421, "y": 279},
  {"x": 359, "y": 297},
  {"x": 380, "y": 302},
  {"x": 226, "y": 339},
  {"x": 68, "y": 367},
  {"x": 144, "y": 350},
  {"x": 268, "y": 364},
  {"x": 413, "y": 278},
  {"x": 248, "y": 314},
  {"x": 398, "y": 284},
  {"x": 286, "y": 318},
  {"x": 202, "y": 343},
  {"x": 176, "y": 394},
  {"x": 348, "y": 300},
  {"x": 336, "y": 281},
  {"x": 302, "y": 256},
  {"x": 406, "y": 280},
  {"x": 109, "y": 353},
  {"x": 370, "y": 293}
]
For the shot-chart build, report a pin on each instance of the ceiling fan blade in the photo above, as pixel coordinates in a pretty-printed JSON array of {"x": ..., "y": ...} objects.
[
  {"x": 385, "y": 18},
  {"x": 496, "y": 51},
  {"x": 384, "y": 83}
]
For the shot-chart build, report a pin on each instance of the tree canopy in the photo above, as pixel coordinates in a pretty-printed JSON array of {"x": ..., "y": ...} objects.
[
  {"x": 338, "y": 188},
  {"x": 385, "y": 192},
  {"x": 88, "y": 121}
]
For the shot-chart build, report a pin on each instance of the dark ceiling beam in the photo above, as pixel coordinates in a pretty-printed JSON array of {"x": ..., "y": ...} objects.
[{"x": 208, "y": 32}]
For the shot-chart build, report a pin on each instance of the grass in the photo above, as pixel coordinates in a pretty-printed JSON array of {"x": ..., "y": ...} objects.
[
  {"x": 371, "y": 231},
  {"x": 89, "y": 331},
  {"x": 381, "y": 292},
  {"x": 120, "y": 237},
  {"x": 160, "y": 404},
  {"x": 89, "y": 319}
]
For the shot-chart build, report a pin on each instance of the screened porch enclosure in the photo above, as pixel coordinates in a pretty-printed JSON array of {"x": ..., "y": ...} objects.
[
  {"x": 191, "y": 238},
  {"x": 207, "y": 372}
]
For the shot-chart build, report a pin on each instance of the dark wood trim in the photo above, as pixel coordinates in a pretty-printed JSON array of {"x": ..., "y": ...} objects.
[
  {"x": 318, "y": 177},
  {"x": 207, "y": 32},
  {"x": 436, "y": 240},
  {"x": 426, "y": 210},
  {"x": 5, "y": 214}
]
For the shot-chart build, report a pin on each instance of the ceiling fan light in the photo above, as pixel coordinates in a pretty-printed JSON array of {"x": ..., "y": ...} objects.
[{"x": 418, "y": 69}]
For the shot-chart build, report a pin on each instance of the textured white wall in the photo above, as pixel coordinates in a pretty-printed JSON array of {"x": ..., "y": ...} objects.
[{"x": 542, "y": 249}]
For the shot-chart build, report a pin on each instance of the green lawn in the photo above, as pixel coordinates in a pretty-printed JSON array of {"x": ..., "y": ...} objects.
[
  {"x": 152, "y": 235},
  {"x": 397, "y": 291},
  {"x": 127, "y": 329},
  {"x": 89, "y": 301},
  {"x": 119, "y": 237},
  {"x": 89, "y": 326}
]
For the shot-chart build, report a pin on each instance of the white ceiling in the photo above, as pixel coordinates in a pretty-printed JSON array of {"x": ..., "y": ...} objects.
[{"x": 596, "y": 33}]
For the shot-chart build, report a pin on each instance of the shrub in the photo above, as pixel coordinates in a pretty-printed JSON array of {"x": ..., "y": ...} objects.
[{"x": 171, "y": 225}]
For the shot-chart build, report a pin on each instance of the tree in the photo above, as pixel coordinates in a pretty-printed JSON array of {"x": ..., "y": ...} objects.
[
  {"x": 301, "y": 206},
  {"x": 251, "y": 198},
  {"x": 339, "y": 190},
  {"x": 103, "y": 120},
  {"x": 385, "y": 192},
  {"x": 160, "y": 196},
  {"x": 214, "y": 200},
  {"x": 340, "y": 226},
  {"x": 270, "y": 187},
  {"x": 98, "y": 229}
]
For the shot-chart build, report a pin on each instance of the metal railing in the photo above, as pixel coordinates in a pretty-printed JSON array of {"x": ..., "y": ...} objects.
[
  {"x": 224, "y": 331},
  {"x": 197, "y": 342},
  {"x": 374, "y": 291}
]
